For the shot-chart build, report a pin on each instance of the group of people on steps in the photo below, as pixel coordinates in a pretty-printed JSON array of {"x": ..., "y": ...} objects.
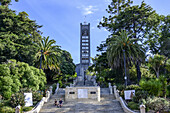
[{"x": 59, "y": 103}]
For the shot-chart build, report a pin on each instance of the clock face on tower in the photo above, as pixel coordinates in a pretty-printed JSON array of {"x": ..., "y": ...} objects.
[{"x": 84, "y": 30}]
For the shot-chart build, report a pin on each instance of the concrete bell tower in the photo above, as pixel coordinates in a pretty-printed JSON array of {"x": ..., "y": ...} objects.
[{"x": 84, "y": 47}]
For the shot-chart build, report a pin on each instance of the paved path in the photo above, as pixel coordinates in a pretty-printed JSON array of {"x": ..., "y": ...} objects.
[{"x": 108, "y": 104}]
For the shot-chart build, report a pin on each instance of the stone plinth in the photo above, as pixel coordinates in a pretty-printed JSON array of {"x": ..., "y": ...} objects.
[{"x": 73, "y": 93}]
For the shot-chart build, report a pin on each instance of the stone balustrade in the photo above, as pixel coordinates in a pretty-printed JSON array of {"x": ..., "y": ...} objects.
[
  {"x": 125, "y": 108},
  {"x": 38, "y": 107}
]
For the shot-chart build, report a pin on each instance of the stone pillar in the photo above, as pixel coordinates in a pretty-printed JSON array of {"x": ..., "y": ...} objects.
[
  {"x": 17, "y": 109},
  {"x": 71, "y": 85},
  {"x": 57, "y": 85},
  {"x": 110, "y": 87},
  {"x": 115, "y": 92},
  {"x": 142, "y": 108},
  {"x": 51, "y": 89}
]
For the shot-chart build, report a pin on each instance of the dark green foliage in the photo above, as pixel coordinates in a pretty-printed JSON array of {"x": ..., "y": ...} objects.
[
  {"x": 145, "y": 73},
  {"x": 27, "y": 108},
  {"x": 121, "y": 87},
  {"x": 168, "y": 91},
  {"x": 67, "y": 66},
  {"x": 17, "y": 99},
  {"x": 153, "y": 86},
  {"x": 18, "y": 35},
  {"x": 54, "y": 88},
  {"x": 7, "y": 109},
  {"x": 134, "y": 106},
  {"x": 37, "y": 96},
  {"x": 139, "y": 95},
  {"x": 157, "y": 104},
  {"x": 163, "y": 81}
]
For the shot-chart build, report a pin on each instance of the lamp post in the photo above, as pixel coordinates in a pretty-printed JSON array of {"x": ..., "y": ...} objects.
[
  {"x": 84, "y": 77},
  {"x": 125, "y": 67},
  {"x": 41, "y": 58}
]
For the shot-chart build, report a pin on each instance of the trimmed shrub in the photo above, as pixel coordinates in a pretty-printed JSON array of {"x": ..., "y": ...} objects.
[
  {"x": 27, "y": 108},
  {"x": 157, "y": 104},
  {"x": 153, "y": 86},
  {"x": 132, "y": 105},
  {"x": 139, "y": 95},
  {"x": 133, "y": 87},
  {"x": 7, "y": 109}
]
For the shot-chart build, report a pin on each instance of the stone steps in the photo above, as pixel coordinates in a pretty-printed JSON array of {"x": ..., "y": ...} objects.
[
  {"x": 108, "y": 104},
  {"x": 87, "y": 83}
]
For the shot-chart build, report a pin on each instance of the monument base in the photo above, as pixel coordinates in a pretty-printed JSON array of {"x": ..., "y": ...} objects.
[{"x": 74, "y": 93}]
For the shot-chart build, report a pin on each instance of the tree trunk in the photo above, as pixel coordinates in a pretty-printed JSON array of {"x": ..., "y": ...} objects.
[
  {"x": 157, "y": 73},
  {"x": 138, "y": 72}
]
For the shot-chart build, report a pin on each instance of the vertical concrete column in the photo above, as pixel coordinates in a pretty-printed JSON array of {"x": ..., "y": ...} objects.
[{"x": 142, "y": 108}]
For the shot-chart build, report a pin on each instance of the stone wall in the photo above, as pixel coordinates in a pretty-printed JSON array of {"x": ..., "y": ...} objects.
[{"x": 72, "y": 93}]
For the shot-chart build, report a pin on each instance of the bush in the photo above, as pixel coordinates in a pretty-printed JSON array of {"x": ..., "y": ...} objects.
[
  {"x": 121, "y": 87},
  {"x": 139, "y": 95},
  {"x": 157, "y": 104},
  {"x": 163, "y": 81},
  {"x": 153, "y": 86},
  {"x": 7, "y": 109},
  {"x": 54, "y": 87},
  {"x": 17, "y": 99},
  {"x": 133, "y": 87},
  {"x": 168, "y": 91},
  {"x": 27, "y": 108},
  {"x": 36, "y": 97},
  {"x": 132, "y": 105}
]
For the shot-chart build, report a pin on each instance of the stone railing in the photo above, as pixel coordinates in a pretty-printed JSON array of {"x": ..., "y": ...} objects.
[
  {"x": 125, "y": 108},
  {"x": 38, "y": 107}
]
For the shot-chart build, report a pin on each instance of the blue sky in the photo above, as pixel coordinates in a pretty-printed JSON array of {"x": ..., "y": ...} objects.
[{"x": 61, "y": 19}]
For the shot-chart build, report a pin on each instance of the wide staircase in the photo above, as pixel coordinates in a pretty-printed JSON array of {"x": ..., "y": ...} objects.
[
  {"x": 87, "y": 83},
  {"x": 108, "y": 104}
]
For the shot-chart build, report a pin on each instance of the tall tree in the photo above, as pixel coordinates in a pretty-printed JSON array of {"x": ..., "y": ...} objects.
[
  {"x": 161, "y": 42},
  {"x": 139, "y": 20},
  {"x": 18, "y": 35},
  {"x": 47, "y": 57},
  {"x": 6, "y": 2},
  {"x": 133, "y": 51},
  {"x": 156, "y": 62}
]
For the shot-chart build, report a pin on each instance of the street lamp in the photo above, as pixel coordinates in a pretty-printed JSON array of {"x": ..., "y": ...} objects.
[
  {"x": 125, "y": 67},
  {"x": 84, "y": 77},
  {"x": 41, "y": 58}
]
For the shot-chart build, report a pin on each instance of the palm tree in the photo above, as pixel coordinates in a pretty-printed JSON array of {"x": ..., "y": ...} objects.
[
  {"x": 133, "y": 51},
  {"x": 47, "y": 52}
]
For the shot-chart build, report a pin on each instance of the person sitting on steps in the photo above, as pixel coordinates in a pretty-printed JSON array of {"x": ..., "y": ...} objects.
[
  {"x": 60, "y": 103},
  {"x": 55, "y": 103}
]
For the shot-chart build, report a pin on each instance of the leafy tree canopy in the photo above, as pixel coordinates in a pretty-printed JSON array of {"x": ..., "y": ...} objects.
[
  {"x": 15, "y": 75},
  {"x": 18, "y": 35}
]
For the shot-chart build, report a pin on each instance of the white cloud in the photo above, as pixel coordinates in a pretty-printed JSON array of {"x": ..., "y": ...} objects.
[{"x": 86, "y": 10}]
